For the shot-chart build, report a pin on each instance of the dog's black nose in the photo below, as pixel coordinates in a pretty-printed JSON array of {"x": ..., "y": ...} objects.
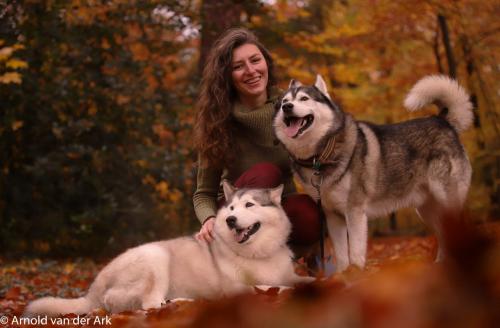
[
  {"x": 287, "y": 108},
  {"x": 231, "y": 222}
]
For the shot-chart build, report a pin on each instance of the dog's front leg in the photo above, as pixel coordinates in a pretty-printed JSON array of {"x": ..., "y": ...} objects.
[
  {"x": 236, "y": 288},
  {"x": 357, "y": 229},
  {"x": 293, "y": 279},
  {"x": 337, "y": 230}
]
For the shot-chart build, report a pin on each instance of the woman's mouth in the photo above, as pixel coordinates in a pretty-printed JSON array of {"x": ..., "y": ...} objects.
[{"x": 253, "y": 81}]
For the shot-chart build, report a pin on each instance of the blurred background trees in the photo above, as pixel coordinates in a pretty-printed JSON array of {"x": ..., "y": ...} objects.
[{"x": 96, "y": 101}]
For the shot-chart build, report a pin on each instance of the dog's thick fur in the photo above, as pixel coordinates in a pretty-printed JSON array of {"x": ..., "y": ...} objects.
[
  {"x": 376, "y": 169},
  {"x": 251, "y": 233}
]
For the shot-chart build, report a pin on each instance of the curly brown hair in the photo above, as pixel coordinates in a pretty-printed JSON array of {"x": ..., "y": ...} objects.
[{"x": 213, "y": 127}]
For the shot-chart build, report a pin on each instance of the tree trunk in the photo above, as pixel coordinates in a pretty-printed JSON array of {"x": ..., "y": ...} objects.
[
  {"x": 435, "y": 48},
  {"x": 216, "y": 17},
  {"x": 393, "y": 222},
  {"x": 470, "y": 69},
  {"x": 452, "y": 66}
]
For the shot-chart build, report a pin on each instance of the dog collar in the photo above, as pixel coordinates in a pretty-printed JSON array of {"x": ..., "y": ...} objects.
[{"x": 317, "y": 162}]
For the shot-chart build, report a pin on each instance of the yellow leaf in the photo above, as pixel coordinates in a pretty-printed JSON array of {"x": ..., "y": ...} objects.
[
  {"x": 73, "y": 155},
  {"x": 10, "y": 77},
  {"x": 69, "y": 267},
  {"x": 139, "y": 51},
  {"x": 256, "y": 20},
  {"x": 16, "y": 63},
  {"x": 162, "y": 187},
  {"x": 62, "y": 117},
  {"x": 105, "y": 44},
  {"x": 17, "y": 125},
  {"x": 122, "y": 100},
  {"x": 175, "y": 196},
  {"x": 141, "y": 163},
  {"x": 148, "y": 180},
  {"x": 58, "y": 132},
  {"x": 92, "y": 110},
  {"x": 5, "y": 53},
  {"x": 42, "y": 246}
]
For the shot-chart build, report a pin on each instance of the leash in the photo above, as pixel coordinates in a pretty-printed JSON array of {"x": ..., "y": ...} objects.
[
  {"x": 317, "y": 163},
  {"x": 316, "y": 182},
  {"x": 322, "y": 219}
]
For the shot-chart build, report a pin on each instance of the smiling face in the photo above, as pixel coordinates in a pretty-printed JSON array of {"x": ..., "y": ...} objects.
[
  {"x": 304, "y": 116},
  {"x": 252, "y": 223},
  {"x": 249, "y": 74}
]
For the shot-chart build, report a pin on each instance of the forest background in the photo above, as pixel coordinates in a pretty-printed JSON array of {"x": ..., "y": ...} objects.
[{"x": 97, "y": 102}]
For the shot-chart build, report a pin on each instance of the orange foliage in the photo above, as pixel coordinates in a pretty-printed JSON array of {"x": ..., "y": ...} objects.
[{"x": 400, "y": 288}]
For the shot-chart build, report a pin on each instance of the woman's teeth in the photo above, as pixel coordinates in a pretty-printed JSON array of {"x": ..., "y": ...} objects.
[{"x": 253, "y": 81}]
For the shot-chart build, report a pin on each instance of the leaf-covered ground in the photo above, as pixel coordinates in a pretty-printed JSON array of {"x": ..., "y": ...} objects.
[{"x": 401, "y": 287}]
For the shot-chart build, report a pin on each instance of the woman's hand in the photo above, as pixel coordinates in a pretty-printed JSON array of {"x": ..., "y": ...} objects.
[{"x": 206, "y": 231}]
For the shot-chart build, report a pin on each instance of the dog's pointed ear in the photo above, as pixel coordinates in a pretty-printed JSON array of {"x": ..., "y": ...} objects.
[
  {"x": 275, "y": 194},
  {"x": 229, "y": 189},
  {"x": 294, "y": 84},
  {"x": 321, "y": 85}
]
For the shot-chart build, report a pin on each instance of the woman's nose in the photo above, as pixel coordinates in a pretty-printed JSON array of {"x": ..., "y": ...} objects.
[{"x": 249, "y": 68}]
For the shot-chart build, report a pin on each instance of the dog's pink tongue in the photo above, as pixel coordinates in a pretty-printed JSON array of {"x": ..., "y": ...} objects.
[
  {"x": 292, "y": 130},
  {"x": 239, "y": 236}
]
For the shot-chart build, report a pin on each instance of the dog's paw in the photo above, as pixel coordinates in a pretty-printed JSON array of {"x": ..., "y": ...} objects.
[
  {"x": 153, "y": 303},
  {"x": 358, "y": 261},
  {"x": 342, "y": 265},
  {"x": 304, "y": 280},
  {"x": 181, "y": 299}
]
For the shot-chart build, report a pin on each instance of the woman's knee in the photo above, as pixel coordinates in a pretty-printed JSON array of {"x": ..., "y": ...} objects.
[
  {"x": 305, "y": 217},
  {"x": 261, "y": 175}
]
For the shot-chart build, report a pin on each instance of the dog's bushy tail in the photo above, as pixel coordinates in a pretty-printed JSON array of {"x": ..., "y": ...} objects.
[
  {"x": 447, "y": 94},
  {"x": 54, "y": 306}
]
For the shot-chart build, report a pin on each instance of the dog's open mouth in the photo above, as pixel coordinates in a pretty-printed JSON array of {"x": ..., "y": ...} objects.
[
  {"x": 295, "y": 126},
  {"x": 243, "y": 234}
]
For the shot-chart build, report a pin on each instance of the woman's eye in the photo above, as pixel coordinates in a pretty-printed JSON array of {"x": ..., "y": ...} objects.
[
  {"x": 304, "y": 98},
  {"x": 237, "y": 67},
  {"x": 255, "y": 60},
  {"x": 248, "y": 204}
]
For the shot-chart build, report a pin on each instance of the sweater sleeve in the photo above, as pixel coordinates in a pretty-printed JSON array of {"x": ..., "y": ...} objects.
[{"x": 207, "y": 188}]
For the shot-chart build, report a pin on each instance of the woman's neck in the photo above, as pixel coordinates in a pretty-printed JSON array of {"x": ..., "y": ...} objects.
[{"x": 253, "y": 102}]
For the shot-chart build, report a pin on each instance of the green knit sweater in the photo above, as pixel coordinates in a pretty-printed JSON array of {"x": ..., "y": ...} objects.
[{"x": 256, "y": 142}]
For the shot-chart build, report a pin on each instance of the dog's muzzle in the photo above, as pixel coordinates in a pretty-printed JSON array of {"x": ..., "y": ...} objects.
[
  {"x": 231, "y": 222},
  {"x": 242, "y": 234},
  {"x": 295, "y": 125}
]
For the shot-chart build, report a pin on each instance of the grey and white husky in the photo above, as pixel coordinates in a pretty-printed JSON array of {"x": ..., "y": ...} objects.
[
  {"x": 250, "y": 248},
  {"x": 362, "y": 170}
]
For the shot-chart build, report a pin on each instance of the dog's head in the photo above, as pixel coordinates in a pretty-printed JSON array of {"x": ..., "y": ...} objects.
[
  {"x": 304, "y": 116},
  {"x": 252, "y": 222}
]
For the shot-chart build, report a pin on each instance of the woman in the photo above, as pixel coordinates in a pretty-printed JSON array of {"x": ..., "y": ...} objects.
[{"x": 234, "y": 134}]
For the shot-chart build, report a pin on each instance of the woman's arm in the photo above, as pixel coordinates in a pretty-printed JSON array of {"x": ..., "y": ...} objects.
[{"x": 205, "y": 198}]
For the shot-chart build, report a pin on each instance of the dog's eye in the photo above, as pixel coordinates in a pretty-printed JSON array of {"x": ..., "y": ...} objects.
[
  {"x": 304, "y": 98},
  {"x": 248, "y": 204},
  {"x": 231, "y": 208},
  {"x": 285, "y": 101}
]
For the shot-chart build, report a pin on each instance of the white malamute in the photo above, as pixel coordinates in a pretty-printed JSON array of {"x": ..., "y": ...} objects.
[{"x": 250, "y": 248}]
